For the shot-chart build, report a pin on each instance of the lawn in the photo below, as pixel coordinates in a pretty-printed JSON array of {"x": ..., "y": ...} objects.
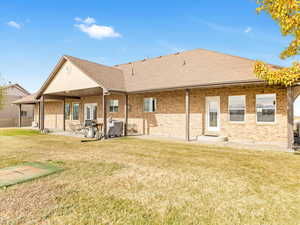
[{"x": 135, "y": 181}]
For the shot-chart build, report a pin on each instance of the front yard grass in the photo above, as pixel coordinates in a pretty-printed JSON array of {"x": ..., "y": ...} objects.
[{"x": 135, "y": 181}]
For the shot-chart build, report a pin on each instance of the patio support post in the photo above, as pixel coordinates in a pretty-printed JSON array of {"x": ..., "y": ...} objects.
[
  {"x": 42, "y": 113},
  {"x": 126, "y": 115},
  {"x": 187, "y": 114},
  {"x": 203, "y": 114},
  {"x": 290, "y": 119},
  {"x": 20, "y": 116},
  {"x": 39, "y": 118},
  {"x": 64, "y": 114},
  {"x": 104, "y": 110}
]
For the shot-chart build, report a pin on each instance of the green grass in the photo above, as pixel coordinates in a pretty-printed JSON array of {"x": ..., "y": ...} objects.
[
  {"x": 17, "y": 132},
  {"x": 134, "y": 181}
]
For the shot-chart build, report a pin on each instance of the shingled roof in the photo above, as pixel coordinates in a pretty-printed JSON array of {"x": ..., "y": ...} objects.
[
  {"x": 108, "y": 77},
  {"x": 27, "y": 99},
  {"x": 16, "y": 86},
  {"x": 194, "y": 68}
]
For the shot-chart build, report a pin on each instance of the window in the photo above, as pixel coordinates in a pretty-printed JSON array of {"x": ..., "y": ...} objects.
[
  {"x": 149, "y": 104},
  {"x": 236, "y": 107},
  {"x": 24, "y": 113},
  {"x": 90, "y": 111},
  {"x": 67, "y": 111},
  {"x": 75, "y": 114},
  {"x": 114, "y": 106},
  {"x": 265, "y": 108}
]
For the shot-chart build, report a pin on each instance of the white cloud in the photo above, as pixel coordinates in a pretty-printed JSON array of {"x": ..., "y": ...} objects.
[
  {"x": 89, "y": 20},
  {"x": 248, "y": 30},
  {"x": 77, "y": 19},
  {"x": 14, "y": 24},
  {"x": 95, "y": 31}
]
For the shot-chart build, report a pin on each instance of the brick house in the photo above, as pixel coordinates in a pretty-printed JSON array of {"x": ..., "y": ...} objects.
[
  {"x": 184, "y": 95},
  {"x": 9, "y": 113}
]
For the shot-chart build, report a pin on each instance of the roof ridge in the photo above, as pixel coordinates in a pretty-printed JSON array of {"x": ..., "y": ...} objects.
[
  {"x": 18, "y": 86},
  {"x": 152, "y": 58},
  {"x": 191, "y": 50},
  {"x": 89, "y": 61}
]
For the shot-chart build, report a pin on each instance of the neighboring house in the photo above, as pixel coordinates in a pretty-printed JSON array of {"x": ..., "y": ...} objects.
[
  {"x": 184, "y": 95},
  {"x": 9, "y": 113}
]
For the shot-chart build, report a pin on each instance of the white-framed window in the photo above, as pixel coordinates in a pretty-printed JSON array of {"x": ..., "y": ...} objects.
[
  {"x": 237, "y": 108},
  {"x": 90, "y": 111},
  {"x": 114, "y": 105},
  {"x": 75, "y": 111},
  {"x": 265, "y": 108},
  {"x": 149, "y": 104},
  {"x": 67, "y": 111}
]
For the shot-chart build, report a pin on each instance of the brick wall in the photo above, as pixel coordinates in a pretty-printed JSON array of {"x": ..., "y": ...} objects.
[
  {"x": 248, "y": 130},
  {"x": 169, "y": 119}
]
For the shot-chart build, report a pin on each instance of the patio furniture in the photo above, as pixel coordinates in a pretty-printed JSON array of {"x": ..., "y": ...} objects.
[
  {"x": 115, "y": 128},
  {"x": 77, "y": 128},
  {"x": 34, "y": 124},
  {"x": 132, "y": 129},
  {"x": 93, "y": 129},
  {"x": 100, "y": 133}
]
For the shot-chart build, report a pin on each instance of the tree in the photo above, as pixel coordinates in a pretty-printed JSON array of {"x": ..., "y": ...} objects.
[
  {"x": 2, "y": 93},
  {"x": 286, "y": 13},
  {"x": 1, "y": 97}
]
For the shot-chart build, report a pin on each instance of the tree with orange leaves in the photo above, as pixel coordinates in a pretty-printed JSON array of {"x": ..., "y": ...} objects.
[{"x": 286, "y": 13}]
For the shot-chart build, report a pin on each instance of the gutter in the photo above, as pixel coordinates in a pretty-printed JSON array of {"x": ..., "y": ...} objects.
[{"x": 209, "y": 85}]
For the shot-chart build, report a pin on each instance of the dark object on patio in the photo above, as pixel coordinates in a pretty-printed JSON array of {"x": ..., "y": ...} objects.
[
  {"x": 89, "y": 123},
  {"x": 115, "y": 129},
  {"x": 90, "y": 128},
  {"x": 93, "y": 129}
]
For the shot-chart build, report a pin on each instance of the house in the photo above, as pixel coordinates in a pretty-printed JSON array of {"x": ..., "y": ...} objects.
[
  {"x": 9, "y": 113},
  {"x": 184, "y": 95}
]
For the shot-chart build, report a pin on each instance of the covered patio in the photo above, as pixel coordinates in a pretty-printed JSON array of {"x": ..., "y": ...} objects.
[
  {"x": 76, "y": 91},
  {"x": 92, "y": 105}
]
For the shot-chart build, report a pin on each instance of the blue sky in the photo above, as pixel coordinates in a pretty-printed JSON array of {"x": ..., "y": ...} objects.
[{"x": 35, "y": 34}]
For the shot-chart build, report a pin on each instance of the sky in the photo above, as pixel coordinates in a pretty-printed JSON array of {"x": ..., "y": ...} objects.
[{"x": 34, "y": 34}]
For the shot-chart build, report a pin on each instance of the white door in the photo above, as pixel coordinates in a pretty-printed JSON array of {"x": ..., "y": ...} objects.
[
  {"x": 90, "y": 111},
  {"x": 213, "y": 113}
]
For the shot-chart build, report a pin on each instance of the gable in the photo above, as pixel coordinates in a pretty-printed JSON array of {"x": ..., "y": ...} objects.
[
  {"x": 13, "y": 91},
  {"x": 69, "y": 78}
]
